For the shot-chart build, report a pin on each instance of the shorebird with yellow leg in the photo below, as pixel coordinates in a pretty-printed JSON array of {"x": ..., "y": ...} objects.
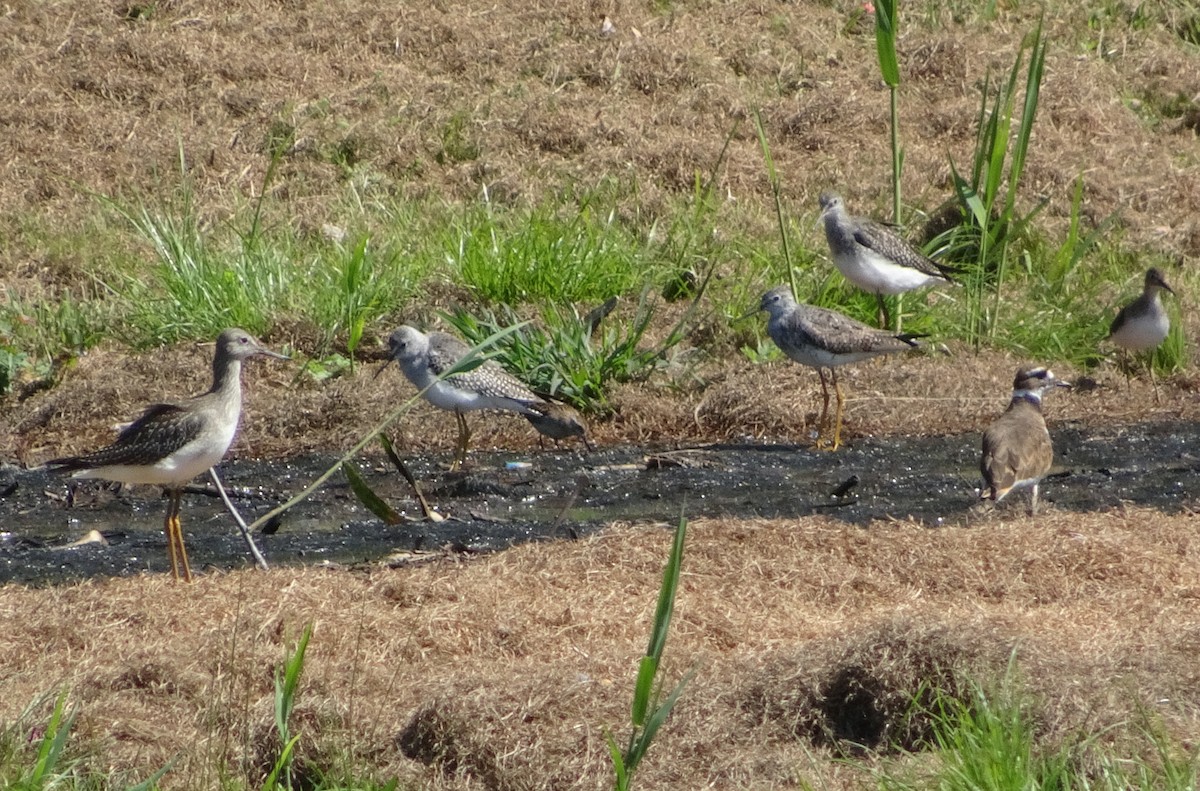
[
  {"x": 874, "y": 257},
  {"x": 170, "y": 444},
  {"x": 427, "y": 359},
  {"x": 822, "y": 338}
]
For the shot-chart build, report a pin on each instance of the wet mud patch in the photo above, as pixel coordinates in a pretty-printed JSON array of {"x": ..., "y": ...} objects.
[{"x": 504, "y": 499}]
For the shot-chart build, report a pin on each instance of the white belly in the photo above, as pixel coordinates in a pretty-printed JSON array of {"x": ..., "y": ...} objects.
[
  {"x": 445, "y": 396},
  {"x": 175, "y": 470},
  {"x": 819, "y": 358},
  {"x": 877, "y": 275},
  {"x": 1143, "y": 333}
]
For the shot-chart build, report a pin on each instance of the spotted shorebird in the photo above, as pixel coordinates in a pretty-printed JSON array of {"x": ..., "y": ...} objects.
[
  {"x": 424, "y": 358},
  {"x": 821, "y": 338},
  {"x": 558, "y": 422},
  {"x": 1143, "y": 324},
  {"x": 874, "y": 257},
  {"x": 1016, "y": 447},
  {"x": 170, "y": 444}
]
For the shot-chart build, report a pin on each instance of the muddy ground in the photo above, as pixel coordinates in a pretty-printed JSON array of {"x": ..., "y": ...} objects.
[{"x": 503, "y": 499}]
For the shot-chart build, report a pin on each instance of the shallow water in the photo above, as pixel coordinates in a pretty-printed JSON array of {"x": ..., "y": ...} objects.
[{"x": 508, "y": 498}]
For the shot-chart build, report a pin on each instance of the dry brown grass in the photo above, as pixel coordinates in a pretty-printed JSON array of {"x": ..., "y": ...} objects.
[
  {"x": 504, "y": 672},
  {"x": 105, "y": 98}
]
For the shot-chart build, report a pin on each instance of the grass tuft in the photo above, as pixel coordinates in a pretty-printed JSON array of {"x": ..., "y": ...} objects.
[{"x": 571, "y": 358}]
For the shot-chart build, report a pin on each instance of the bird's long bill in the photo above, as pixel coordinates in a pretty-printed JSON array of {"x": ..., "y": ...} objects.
[
  {"x": 271, "y": 353},
  {"x": 1061, "y": 383},
  {"x": 752, "y": 313},
  {"x": 386, "y": 363}
]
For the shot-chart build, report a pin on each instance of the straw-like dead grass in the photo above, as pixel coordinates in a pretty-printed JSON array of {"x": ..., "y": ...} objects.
[
  {"x": 507, "y": 671},
  {"x": 541, "y": 97}
]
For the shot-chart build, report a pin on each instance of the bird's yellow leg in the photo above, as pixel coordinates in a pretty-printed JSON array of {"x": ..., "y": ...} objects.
[
  {"x": 170, "y": 534},
  {"x": 464, "y": 437},
  {"x": 179, "y": 561},
  {"x": 183, "y": 561},
  {"x": 841, "y": 403},
  {"x": 823, "y": 421},
  {"x": 175, "y": 549}
]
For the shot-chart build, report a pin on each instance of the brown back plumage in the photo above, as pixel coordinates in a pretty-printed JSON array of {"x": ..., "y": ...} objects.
[{"x": 1016, "y": 447}]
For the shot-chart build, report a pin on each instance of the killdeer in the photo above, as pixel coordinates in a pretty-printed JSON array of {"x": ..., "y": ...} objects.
[
  {"x": 822, "y": 338},
  {"x": 424, "y": 358},
  {"x": 172, "y": 443},
  {"x": 874, "y": 257},
  {"x": 1143, "y": 324},
  {"x": 1016, "y": 447}
]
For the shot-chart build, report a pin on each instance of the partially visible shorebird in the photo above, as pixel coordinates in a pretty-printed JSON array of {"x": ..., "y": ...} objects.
[
  {"x": 558, "y": 421},
  {"x": 170, "y": 444},
  {"x": 843, "y": 489},
  {"x": 424, "y": 358},
  {"x": 874, "y": 257},
  {"x": 1143, "y": 324},
  {"x": 1017, "y": 451},
  {"x": 822, "y": 338}
]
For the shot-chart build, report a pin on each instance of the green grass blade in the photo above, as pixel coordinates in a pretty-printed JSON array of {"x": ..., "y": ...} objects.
[
  {"x": 618, "y": 760},
  {"x": 982, "y": 123},
  {"x": 285, "y": 688},
  {"x": 642, "y": 689},
  {"x": 666, "y": 594},
  {"x": 285, "y": 758},
  {"x": 773, "y": 176},
  {"x": 53, "y": 742},
  {"x": 1033, "y": 83},
  {"x": 151, "y": 782},
  {"x": 367, "y": 496},
  {"x": 885, "y": 41},
  {"x": 663, "y": 710},
  {"x": 969, "y": 196}
]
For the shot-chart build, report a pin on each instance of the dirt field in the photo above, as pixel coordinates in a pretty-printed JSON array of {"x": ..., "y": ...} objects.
[{"x": 505, "y": 672}]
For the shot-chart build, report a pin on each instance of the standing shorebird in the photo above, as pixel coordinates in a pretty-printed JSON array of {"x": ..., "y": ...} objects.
[
  {"x": 425, "y": 358},
  {"x": 821, "y": 338},
  {"x": 1143, "y": 324},
  {"x": 558, "y": 422},
  {"x": 1016, "y": 446},
  {"x": 170, "y": 444},
  {"x": 874, "y": 257}
]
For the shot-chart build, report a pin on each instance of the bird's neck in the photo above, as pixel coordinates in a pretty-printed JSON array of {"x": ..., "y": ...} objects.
[
  {"x": 1033, "y": 397},
  {"x": 838, "y": 226},
  {"x": 227, "y": 379}
]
